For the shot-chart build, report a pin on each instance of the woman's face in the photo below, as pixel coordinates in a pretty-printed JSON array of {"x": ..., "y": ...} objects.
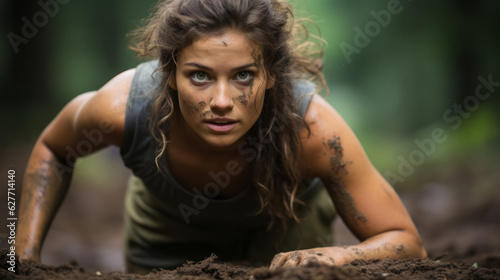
[{"x": 221, "y": 87}]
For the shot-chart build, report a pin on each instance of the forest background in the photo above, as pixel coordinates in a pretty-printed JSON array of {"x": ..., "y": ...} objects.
[{"x": 417, "y": 81}]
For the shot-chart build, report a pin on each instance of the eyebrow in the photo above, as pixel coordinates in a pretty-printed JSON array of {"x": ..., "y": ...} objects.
[{"x": 210, "y": 69}]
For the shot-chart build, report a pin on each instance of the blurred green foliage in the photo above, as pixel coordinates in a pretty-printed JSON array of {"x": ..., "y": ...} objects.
[
  {"x": 392, "y": 91},
  {"x": 426, "y": 59}
]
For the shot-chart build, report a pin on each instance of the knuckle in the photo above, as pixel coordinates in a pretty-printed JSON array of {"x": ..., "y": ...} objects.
[{"x": 278, "y": 256}]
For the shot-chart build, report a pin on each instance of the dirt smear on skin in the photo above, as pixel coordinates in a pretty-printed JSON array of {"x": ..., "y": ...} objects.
[
  {"x": 400, "y": 249},
  {"x": 461, "y": 238},
  {"x": 243, "y": 98},
  {"x": 199, "y": 107},
  {"x": 189, "y": 107},
  {"x": 49, "y": 179},
  {"x": 193, "y": 108},
  {"x": 211, "y": 268},
  {"x": 337, "y": 168}
]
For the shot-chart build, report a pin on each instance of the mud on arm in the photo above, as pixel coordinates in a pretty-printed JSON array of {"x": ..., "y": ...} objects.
[
  {"x": 48, "y": 175},
  {"x": 45, "y": 184},
  {"x": 364, "y": 200},
  {"x": 91, "y": 121}
]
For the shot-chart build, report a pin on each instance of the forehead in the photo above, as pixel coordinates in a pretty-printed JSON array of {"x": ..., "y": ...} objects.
[{"x": 229, "y": 47}]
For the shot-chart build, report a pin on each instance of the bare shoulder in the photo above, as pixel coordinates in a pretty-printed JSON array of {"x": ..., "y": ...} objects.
[
  {"x": 105, "y": 109},
  {"x": 329, "y": 136}
]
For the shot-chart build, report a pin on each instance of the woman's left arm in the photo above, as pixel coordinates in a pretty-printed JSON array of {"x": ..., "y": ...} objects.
[{"x": 366, "y": 202}]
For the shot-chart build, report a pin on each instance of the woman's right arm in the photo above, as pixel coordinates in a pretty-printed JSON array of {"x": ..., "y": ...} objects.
[{"x": 88, "y": 123}]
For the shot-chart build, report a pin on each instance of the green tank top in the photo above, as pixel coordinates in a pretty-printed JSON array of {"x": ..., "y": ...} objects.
[{"x": 165, "y": 224}]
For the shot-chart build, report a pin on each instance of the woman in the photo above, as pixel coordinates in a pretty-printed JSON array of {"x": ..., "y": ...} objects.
[{"x": 232, "y": 151}]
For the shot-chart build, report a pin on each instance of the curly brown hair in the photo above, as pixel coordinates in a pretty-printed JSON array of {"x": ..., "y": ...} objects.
[{"x": 288, "y": 54}]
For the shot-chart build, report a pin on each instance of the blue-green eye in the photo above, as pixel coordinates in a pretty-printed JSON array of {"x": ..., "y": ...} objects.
[
  {"x": 244, "y": 76},
  {"x": 200, "y": 76}
]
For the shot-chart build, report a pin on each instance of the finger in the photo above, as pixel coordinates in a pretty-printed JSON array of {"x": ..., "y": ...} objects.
[
  {"x": 278, "y": 261},
  {"x": 312, "y": 257},
  {"x": 293, "y": 260},
  {"x": 309, "y": 260}
]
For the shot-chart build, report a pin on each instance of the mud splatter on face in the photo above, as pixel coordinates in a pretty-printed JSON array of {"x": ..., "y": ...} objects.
[
  {"x": 200, "y": 106},
  {"x": 204, "y": 114},
  {"x": 337, "y": 167},
  {"x": 190, "y": 107},
  {"x": 250, "y": 88},
  {"x": 243, "y": 99}
]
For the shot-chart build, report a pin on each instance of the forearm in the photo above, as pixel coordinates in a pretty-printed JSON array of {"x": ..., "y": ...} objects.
[
  {"x": 46, "y": 182},
  {"x": 397, "y": 244}
]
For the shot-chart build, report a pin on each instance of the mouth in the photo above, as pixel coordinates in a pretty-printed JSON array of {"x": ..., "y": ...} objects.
[{"x": 221, "y": 124}]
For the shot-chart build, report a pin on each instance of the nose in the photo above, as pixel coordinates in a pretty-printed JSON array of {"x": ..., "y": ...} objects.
[{"x": 222, "y": 101}]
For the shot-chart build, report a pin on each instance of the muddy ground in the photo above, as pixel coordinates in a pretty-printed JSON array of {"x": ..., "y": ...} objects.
[
  {"x": 211, "y": 269},
  {"x": 457, "y": 211}
]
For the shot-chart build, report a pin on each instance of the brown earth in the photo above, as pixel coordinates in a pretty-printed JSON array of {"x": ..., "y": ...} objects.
[
  {"x": 487, "y": 268},
  {"x": 457, "y": 213},
  {"x": 468, "y": 248}
]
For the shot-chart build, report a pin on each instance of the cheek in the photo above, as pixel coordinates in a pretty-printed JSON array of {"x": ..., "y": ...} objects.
[
  {"x": 187, "y": 105},
  {"x": 191, "y": 107},
  {"x": 246, "y": 96},
  {"x": 255, "y": 96},
  {"x": 258, "y": 98},
  {"x": 255, "y": 104},
  {"x": 260, "y": 102}
]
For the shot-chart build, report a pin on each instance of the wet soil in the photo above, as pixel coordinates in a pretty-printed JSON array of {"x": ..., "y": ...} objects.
[
  {"x": 458, "y": 223},
  {"x": 467, "y": 248},
  {"x": 210, "y": 268}
]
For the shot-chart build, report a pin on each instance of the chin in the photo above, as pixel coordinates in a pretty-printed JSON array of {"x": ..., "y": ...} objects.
[{"x": 220, "y": 141}]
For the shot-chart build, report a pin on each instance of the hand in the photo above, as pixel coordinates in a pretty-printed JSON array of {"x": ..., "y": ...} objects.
[
  {"x": 326, "y": 255},
  {"x": 30, "y": 258},
  {"x": 27, "y": 254}
]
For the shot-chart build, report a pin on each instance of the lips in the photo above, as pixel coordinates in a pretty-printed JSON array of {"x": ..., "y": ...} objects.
[{"x": 221, "y": 124}]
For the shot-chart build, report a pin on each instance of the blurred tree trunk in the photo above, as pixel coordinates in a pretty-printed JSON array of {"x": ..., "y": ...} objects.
[{"x": 467, "y": 63}]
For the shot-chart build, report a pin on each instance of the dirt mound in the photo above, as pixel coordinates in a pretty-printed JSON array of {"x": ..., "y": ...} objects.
[{"x": 210, "y": 268}]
